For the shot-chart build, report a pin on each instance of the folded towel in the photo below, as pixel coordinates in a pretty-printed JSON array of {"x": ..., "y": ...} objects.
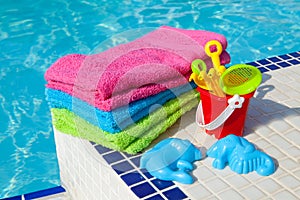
[
  {"x": 136, "y": 137},
  {"x": 146, "y": 66},
  {"x": 118, "y": 119}
]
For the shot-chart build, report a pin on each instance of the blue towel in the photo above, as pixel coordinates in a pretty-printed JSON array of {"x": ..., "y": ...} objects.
[{"x": 120, "y": 118}]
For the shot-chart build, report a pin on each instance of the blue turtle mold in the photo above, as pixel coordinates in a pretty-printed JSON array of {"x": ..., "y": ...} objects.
[
  {"x": 241, "y": 156},
  {"x": 171, "y": 160}
]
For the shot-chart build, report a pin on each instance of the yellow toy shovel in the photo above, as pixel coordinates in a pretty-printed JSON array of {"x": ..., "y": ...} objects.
[{"x": 215, "y": 55}]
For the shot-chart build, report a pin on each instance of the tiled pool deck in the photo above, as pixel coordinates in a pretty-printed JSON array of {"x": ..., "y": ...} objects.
[{"x": 273, "y": 125}]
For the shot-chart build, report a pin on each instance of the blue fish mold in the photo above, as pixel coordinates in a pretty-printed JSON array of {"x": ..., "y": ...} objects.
[
  {"x": 171, "y": 160},
  {"x": 241, "y": 156}
]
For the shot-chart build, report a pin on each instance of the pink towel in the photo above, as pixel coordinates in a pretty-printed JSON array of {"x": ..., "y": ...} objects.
[{"x": 158, "y": 61}]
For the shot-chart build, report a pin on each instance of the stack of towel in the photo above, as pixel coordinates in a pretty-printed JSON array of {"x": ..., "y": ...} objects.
[{"x": 126, "y": 96}]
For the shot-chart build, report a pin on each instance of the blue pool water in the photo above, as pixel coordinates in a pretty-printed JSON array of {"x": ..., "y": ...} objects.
[{"x": 34, "y": 33}]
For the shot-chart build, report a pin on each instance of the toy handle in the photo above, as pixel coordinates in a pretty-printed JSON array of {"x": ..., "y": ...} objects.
[
  {"x": 195, "y": 66},
  {"x": 234, "y": 102},
  {"x": 215, "y": 55}
]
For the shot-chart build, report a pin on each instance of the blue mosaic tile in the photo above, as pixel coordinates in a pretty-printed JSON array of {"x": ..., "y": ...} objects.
[
  {"x": 143, "y": 190},
  {"x": 175, "y": 194},
  {"x": 13, "y": 198},
  {"x": 101, "y": 149},
  {"x": 253, "y": 64},
  {"x": 122, "y": 167},
  {"x": 136, "y": 161},
  {"x": 284, "y": 64},
  {"x": 295, "y": 54},
  {"x": 113, "y": 157},
  {"x": 44, "y": 193},
  {"x": 146, "y": 173},
  {"x": 132, "y": 178},
  {"x": 262, "y": 69},
  {"x": 274, "y": 59},
  {"x": 285, "y": 57},
  {"x": 128, "y": 155},
  {"x": 294, "y": 62},
  {"x": 156, "y": 197},
  {"x": 272, "y": 67},
  {"x": 263, "y": 62},
  {"x": 160, "y": 184}
]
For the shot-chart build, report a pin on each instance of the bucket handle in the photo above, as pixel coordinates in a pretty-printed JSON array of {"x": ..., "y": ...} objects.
[{"x": 234, "y": 102}]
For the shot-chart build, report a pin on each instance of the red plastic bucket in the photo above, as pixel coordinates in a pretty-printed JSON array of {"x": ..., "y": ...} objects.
[{"x": 213, "y": 106}]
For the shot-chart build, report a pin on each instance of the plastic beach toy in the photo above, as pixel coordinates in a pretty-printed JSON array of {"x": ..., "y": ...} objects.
[
  {"x": 205, "y": 80},
  {"x": 240, "y": 79},
  {"x": 241, "y": 156},
  {"x": 199, "y": 75},
  {"x": 171, "y": 160},
  {"x": 215, "y": 55}
]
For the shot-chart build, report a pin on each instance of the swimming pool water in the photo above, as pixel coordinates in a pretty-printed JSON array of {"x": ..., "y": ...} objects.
[{"x": 34, "y": 33}]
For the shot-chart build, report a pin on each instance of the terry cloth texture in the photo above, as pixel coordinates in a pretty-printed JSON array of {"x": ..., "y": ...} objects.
[
  {"x": 146, "y": 66},
  {"x": 120, "y": 118},
  {"x": 137, "y": 136}
]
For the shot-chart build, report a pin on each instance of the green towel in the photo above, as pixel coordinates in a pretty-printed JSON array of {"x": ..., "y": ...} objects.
[{"x": 136, "y": 137}]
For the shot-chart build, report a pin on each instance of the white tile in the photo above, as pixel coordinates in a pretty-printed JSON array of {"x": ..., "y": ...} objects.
[
  {"x": 253, "y": 112},
  {"x": 213, "y": 198},
  {"x": 289, "y": 164},
  {"x": 292, "y": 103},
  {"x": 278, "y": 124},
  {"x": 199, "y": 192},
  {"x": 278, "y": 95},
  {"x": 296, "y": 173},
  {"x": 237, "y": 181},
  {"x": 252, "y": 137},
  {"x": 269, "y": 185},
  {"x": 247, "y": 130},
  {"x": 279, "y": 141},
  {"x": 294, "y": 120},
  {"x": 294, "y": 153},
  {"x": 255, "y": 103},
  {"x": 284, "y": 194},
  {"x": 297, "y": 192},
  {"x": 266, "y": 109},
  {"x": 279, "y": 172},
  {"x": 252, "y": 192},
  {"x": 252, "y": 177},
  {"x": 262, "y": 143},
  {"x": 274, "y": 152},
  {"x": 224, "y": 173},
  {"x": 293, "y": 136},
  {"x": 293, "y": 93},
  {"x": 202, "y": 173},
  {"x": 264, "y": 131},
  {"x": 250, "y": 124},
  {"x": 289, "y": 182},
  {"x": 216, "y": 185},
  {"x": 230, "y": 194},
  {"x": 86, "y": 177},
  {"x": 284, "y": 79}
]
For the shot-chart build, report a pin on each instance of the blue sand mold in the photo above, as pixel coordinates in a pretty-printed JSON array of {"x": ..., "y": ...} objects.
[
  {"x": 241, "y": 156},
  {"x": 171, "y": 160}
]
